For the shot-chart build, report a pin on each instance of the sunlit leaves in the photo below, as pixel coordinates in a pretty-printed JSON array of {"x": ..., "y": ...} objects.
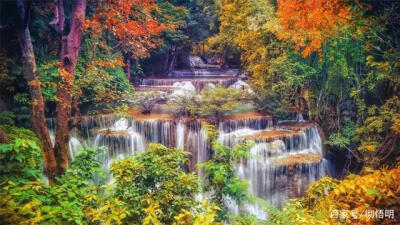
[
  {"x": 309, "y": 23},
  {"x": 25, "y": 199},
  {"x": 380, "y": 121},
  {"x": 375, "y": 190},
  {"x": 154, "y": 185},
  {"x": 130, "y": 22}
]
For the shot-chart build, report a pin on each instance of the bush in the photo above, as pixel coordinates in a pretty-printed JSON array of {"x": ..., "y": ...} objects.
[
  {"x": 21, "y": 159},
  {"x": 22, "y": 110},
  {"x": 183, "y": 105},
  {"x": 25, "y": 199},
  {"x": 218, "y": 101},
  {"x": 148, "y": 100},
  {"x": 154, "y": 182},
  {"x": 102, "y": 81}
]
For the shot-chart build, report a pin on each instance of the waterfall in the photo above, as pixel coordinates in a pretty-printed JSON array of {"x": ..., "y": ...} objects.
[
  {"x": 198, "y": 83},
  {"x": 74, "y": 145},
  {"x": 299, "y": 117},
  {"x": 283, "y": 162},
  {"x": 196, "y": 144},
  {"x": 180, "y": 135},
  {"x": 280, "y": 169},
  {"x": 285, "y": 158}
]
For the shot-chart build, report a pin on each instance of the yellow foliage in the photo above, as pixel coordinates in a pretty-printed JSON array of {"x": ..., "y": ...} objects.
[
  {"x": 204, "y": 214},
  {"x": 248, "y": 25},
  {"x": 349, "y": 201},
  {"x": 379, "y": 190}
]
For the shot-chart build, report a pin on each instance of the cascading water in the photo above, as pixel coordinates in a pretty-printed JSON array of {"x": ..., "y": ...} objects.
[
  {"x": 198, "y": 83},
  {"x": 283, "y": 162},
  {"x": 285, "y": 159},
  {"x": 180, "y": 135},
  {"x": 279, "y": 167},
  {"x": 196, "y": 144}
]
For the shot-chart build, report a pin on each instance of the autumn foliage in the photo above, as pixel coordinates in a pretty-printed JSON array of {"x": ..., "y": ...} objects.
[
  {"x": 309, "y": 23},
  {"x": 358, "y": 199},
  {"x": 131, "y": 23}
]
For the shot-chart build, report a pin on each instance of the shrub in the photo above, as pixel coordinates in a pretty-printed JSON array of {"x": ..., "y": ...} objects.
[
  {"x": 218, "y": 101},
  {"x": 183, "y": 104},
  {"x": 154, "y": 182},
  {"x": 148, "y": 100},
  {"x": 25, "y": 199},
  {"x": 22, "y": 158}
]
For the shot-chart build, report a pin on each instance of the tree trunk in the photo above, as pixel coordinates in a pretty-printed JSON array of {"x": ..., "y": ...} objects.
[
  {"x": 172, "y": 63},
  {"x": 70, "y": 48},
  {"x": 128, "y": 62},
  {"x": 3, "y": 137},
  {"x": 37, "y": 102},
  {"x": 166, "y": 61}
]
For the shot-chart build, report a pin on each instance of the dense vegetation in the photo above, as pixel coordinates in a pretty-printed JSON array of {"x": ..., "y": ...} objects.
[{"x": 336, "y": 61}]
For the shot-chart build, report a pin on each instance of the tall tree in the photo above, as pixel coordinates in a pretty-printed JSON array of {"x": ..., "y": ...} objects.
[
  {"x": 37, "y": 102},
  {"x": 71, "y": 38}
]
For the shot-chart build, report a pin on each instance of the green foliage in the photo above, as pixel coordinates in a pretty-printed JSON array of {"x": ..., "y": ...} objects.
[
  {"x": 218, "y": 101},
  {"x": 48, "y": 72},
  {"x": 345, "y": 137},
  {"x": 269, "y": 101},
  {"x": 154, "y": 185},
  {"x": 377, "y": 137},
  {"x": 173, "y": 14},
  {"x": 7, "y": 118},
  {"x": 339, "y": 140},
  {"x": 298, "y": 211},
  {"x": 26, "y": 200},
  {"x": 379, "y": 122},
  {"x": 22, "y": 110},
  {"x": 13, "y": 133},
  {"x": 101, "y": 81},
  {"x": 151, "y": 188},
  {"x": 220, "y": 176},
  {"x": 20, "y": 159},
  {"x": 248, "y": 220}
]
